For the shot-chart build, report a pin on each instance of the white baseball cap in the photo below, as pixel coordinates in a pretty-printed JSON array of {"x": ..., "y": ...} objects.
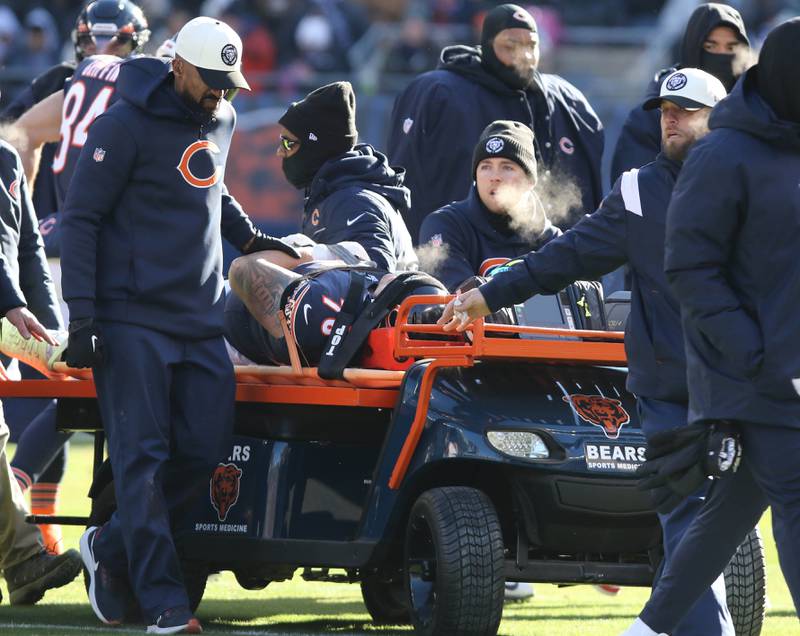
[
  {"x": 215, "y": 49},
  {"x": 689, "y": 88}
]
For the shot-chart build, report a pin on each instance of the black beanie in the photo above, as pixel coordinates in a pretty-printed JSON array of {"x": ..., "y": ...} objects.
[
  {"x": 778, "y": 70},
  {"x": 505, "y": 16},
  {"x": 325, "y": 119},
  {"x": 508, "y": 140}
]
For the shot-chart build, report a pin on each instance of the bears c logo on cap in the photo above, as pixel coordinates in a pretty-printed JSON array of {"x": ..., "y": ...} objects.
[
  {"x": 229, "y": 54},
  {"x": 495, "y": 145},
  {"x": 676, "y": 82}
]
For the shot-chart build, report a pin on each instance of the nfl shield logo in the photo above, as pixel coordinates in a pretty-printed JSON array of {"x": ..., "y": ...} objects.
[
  {"x": 436, "y": 240},
  {"x": 99, "y": 155}
]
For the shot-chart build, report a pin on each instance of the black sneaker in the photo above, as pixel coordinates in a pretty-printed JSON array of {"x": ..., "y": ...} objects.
[
  {"x": 109, "y": 595},
  {"x": 28, "y": 581},
  {"x": 178, "y": 620}
]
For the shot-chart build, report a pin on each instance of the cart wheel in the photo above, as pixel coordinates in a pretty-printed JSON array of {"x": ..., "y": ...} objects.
[
  {"x": 745, "y": 586},
  {"x": 385, "y": 597},
  {"x": 454, "y": 563},
  {"x": 195, "y": 574}
]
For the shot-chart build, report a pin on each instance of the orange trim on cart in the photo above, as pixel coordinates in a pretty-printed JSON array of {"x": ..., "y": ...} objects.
[{"x": 420, "y": 417}]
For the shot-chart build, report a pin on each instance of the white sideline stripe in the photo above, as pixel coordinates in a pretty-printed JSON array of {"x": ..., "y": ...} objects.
[
  {"x": 630, "y": 191},
  {"x": 114, "y": 631}
]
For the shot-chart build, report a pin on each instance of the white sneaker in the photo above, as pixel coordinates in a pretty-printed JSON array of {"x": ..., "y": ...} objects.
[
  {"x": 518, "y": 591},
  {"x": 36, "y": 353}
]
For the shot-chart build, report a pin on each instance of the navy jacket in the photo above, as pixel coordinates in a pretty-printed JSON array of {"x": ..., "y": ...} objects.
[
  {"x": 627, "y": 228},
  {"x": 733, "y": 231},
  {"x": 474, "y": 240},
  {"x": 438, "y": 118},
  {"x": 359, "y": 197},
  {"x": 24, "y": 275},
  {"x": 141, "y": 231}
]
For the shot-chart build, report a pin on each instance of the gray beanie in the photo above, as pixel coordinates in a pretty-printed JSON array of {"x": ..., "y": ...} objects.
[{"x": 508, "y": 140}]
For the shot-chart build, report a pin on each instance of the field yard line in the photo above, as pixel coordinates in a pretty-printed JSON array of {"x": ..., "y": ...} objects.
[{"x": 140, "y": 630}]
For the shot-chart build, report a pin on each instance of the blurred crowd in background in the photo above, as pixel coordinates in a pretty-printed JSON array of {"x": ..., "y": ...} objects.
[{"x": 291, "y": 45}]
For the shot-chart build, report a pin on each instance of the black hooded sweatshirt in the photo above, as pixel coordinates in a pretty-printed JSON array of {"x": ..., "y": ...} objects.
[
  {"x": 438, "y": 118},
  {"x": 733, "y": 228},
  {"x": 640, "y": 139}
]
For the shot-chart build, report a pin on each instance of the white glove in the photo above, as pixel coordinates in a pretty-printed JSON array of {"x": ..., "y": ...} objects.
[
  {"x": 298, "y": 240},
  {"x": 350, "y": 252}
]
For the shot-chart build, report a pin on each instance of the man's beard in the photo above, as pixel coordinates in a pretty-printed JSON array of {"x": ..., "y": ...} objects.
[
  {"x": 199, "y": 106},
  {"x": 677, "y": 151}
]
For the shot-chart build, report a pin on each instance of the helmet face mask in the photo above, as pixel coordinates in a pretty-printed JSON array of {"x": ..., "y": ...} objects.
[{"x": 105, "y": 21}]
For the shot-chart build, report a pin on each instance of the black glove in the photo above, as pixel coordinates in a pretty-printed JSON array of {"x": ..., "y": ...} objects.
[
  {"x": 85, "y": 344},
  {"x": 680, "y": 461},
  {"x": 262, "y": 242}
]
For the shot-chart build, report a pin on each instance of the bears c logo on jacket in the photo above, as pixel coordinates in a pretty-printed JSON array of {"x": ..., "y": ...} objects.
[{"x": 186, "y": 157}]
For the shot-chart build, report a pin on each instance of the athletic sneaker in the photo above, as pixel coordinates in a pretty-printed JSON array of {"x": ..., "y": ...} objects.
[
  {"x": 109, "y": 595},
  {"x": 28, "y": 581},
  {"x": 177, "y": 620},
  {"x": 518, "y": 591}
]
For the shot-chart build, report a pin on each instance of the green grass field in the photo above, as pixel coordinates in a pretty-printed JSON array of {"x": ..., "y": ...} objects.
[{"x": 300, "y": 608}]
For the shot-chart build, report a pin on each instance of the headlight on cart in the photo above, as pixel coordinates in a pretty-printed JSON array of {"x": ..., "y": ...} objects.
[{"x": 523, "y": 444}]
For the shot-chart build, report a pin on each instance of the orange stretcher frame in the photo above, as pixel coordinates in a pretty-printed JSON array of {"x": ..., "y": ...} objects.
[{"x": 379, "y": 388}]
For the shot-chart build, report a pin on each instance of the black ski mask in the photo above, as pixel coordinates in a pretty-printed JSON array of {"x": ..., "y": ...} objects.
[
  {"x": 704, "y": 19},
  {"x": 324, "y": 123},
  {"x": 505, "y": 16},
  {"x": 721, "y": 66},
  {"x": 778, "y": 70}
]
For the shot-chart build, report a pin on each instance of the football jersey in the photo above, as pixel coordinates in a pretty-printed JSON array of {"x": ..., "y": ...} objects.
[{"x": 87, "y": 94}]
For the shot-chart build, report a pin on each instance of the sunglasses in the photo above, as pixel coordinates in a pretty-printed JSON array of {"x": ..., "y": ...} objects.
[{"x": 287, "y": 143}]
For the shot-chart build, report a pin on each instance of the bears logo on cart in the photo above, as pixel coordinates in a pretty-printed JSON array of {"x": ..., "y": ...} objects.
[
  {"x": 224, "y": 488},
  {"x": 607, "y": 413}
]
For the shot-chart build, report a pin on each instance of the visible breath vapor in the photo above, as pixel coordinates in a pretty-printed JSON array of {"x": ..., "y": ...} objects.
[
  {"x": 743, "y": 59},
  {"x": 431, "y": 257},
  {"x": 525, "y": 210},
  {"x": 561, "y": 197}
]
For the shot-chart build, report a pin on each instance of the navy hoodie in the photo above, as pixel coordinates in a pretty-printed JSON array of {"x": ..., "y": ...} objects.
[
  {"x": 733, "y": 231},
  {"x": 438, "y": 118},
  {"x": 475, "y": 240},
  {"x": 141, "y": 237},
  {"x": 358, "y": 197},
  {"x": 640, "y": 139},
  {"x": 628, "y": 228},
  {"x": 24, "y": 274}
]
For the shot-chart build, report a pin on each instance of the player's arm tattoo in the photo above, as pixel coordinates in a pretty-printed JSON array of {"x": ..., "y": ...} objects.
[{"x": 260, "y": 285}]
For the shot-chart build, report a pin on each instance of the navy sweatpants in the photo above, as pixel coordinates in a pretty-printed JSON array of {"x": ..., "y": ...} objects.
[
  {"x": 768, "y": 475},
  {"x": 709, "y": 616},
  {"x": 167, "y": 407}
]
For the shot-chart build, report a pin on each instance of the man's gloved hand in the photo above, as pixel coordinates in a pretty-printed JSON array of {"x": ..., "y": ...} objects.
[
  {"x": 85, "y": 344},
  {"x": 299, "y": 240},
  {"x": 680, "y": 461},
  {"x": 262, "y": 242}
]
